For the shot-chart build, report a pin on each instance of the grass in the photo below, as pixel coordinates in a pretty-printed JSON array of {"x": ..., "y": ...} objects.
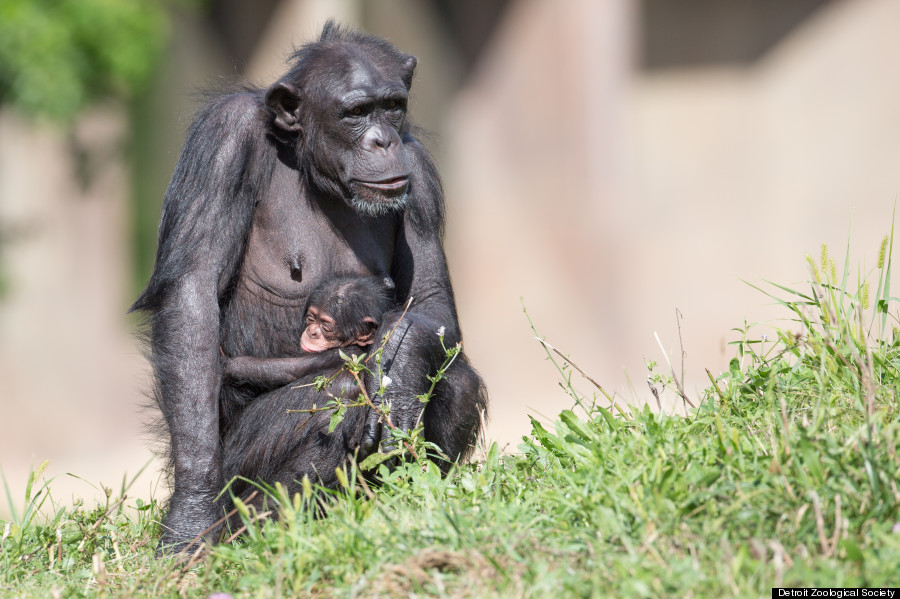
[{"x": 786, "y": 474}]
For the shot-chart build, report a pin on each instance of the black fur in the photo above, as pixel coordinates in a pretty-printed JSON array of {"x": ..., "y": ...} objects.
[{"x": 275, "y": 192}]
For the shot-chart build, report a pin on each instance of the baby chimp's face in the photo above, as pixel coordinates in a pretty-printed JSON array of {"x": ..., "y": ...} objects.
[{"x": 320, "y": 333}]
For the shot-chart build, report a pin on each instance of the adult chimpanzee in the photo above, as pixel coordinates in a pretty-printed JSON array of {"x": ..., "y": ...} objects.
[
  {"x": 341, "y": 312},
  {"x": 275, "y": 191}
]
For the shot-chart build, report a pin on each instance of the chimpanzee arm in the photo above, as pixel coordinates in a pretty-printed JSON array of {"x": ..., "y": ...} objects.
[
  {"x": 206, "y": 217},
  {"x": 420, "y": 266},
  {"x": 277, "y": 372},
  {"x": 420, "y": 271}
]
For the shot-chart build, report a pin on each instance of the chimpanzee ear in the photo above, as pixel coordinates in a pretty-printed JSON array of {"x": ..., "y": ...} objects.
[
  {"x": 367, "y": 338},
  {"x": 409, "y": 65},
  {"x": 284, "y": 99}
]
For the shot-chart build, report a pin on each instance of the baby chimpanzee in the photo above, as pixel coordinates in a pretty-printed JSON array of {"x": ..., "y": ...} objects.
[
  {"x": 344, "y": 311},
  {"x": 341, "y": 312}
]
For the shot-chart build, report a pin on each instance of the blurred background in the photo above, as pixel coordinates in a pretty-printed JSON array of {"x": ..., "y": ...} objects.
[{"x": 605, "y": 162}]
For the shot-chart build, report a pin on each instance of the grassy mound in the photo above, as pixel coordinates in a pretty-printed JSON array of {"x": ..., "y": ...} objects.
[{"x": 786, "y": 474}]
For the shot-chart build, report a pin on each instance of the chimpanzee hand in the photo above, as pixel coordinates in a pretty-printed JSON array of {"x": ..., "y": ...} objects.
[
  {"x": 403, "y": 414},
  {"x": 405, "y": 364}
]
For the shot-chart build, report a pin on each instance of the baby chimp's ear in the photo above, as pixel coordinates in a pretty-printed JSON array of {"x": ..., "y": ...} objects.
[{"x": 367, "y": 338}]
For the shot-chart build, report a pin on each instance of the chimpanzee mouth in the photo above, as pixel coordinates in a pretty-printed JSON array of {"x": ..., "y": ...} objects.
[
  {"x": 377, "y": 198},
  {"x": 392, "y": 185}
]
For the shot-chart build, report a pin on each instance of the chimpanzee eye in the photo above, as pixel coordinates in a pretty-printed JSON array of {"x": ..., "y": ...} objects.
[
  {"x": 357, "y": 111},
  {"x": 395, "y": 105}
]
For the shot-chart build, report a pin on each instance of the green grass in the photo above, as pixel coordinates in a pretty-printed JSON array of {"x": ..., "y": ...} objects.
[{"x": 786, "y": 474}]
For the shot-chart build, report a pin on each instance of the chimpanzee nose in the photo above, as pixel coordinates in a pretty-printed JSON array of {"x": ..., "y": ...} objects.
[
  {"x": 383, "y": 139},
  {"x": 380, "y": 138}
]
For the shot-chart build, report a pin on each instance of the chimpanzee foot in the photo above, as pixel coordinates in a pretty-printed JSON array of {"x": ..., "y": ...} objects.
[{"x": 188, "y": 525}]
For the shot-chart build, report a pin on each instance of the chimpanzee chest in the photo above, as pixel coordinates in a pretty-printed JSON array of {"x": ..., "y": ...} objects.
[{"x": 297, "y": 242}]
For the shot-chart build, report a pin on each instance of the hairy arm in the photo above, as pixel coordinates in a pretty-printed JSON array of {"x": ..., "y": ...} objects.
[
  {"x": 420, "y": 271},
  {"x": 277, "y": 372},
  {"x": 206, "y": 216},
  {"x": 420, "y": 265}
]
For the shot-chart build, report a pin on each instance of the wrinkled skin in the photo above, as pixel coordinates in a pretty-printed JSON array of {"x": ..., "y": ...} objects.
[{"x": 276, "y": 191}]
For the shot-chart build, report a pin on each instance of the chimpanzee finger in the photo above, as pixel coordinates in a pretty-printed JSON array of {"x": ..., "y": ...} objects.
[
  {"x": 387, "y": 443},
  {"x": 372, "y": 434},
  {"x": 407, "y": 420},
  {"x": 403, "y": 421}
]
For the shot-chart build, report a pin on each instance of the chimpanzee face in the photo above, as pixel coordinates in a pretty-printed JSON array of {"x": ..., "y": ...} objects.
[
  {"x": 349, "y": 123},
  {"x": 322, "y": 332}
]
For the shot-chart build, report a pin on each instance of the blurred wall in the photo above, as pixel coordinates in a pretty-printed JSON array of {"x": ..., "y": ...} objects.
[
  {"x": 602, "y": 194},
  {"x": 71, "y": 374},
  {"x": 609, "y": 196},
  {"x": 535, "y": 179},
  {"x": 736, "y": 173}
]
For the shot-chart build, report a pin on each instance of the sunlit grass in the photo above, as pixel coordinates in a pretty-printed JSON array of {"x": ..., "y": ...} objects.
[{"x": 786, "y": 474}]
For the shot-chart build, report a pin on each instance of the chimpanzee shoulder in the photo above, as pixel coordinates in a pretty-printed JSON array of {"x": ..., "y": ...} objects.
[{"x": 226, "y": 164}]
